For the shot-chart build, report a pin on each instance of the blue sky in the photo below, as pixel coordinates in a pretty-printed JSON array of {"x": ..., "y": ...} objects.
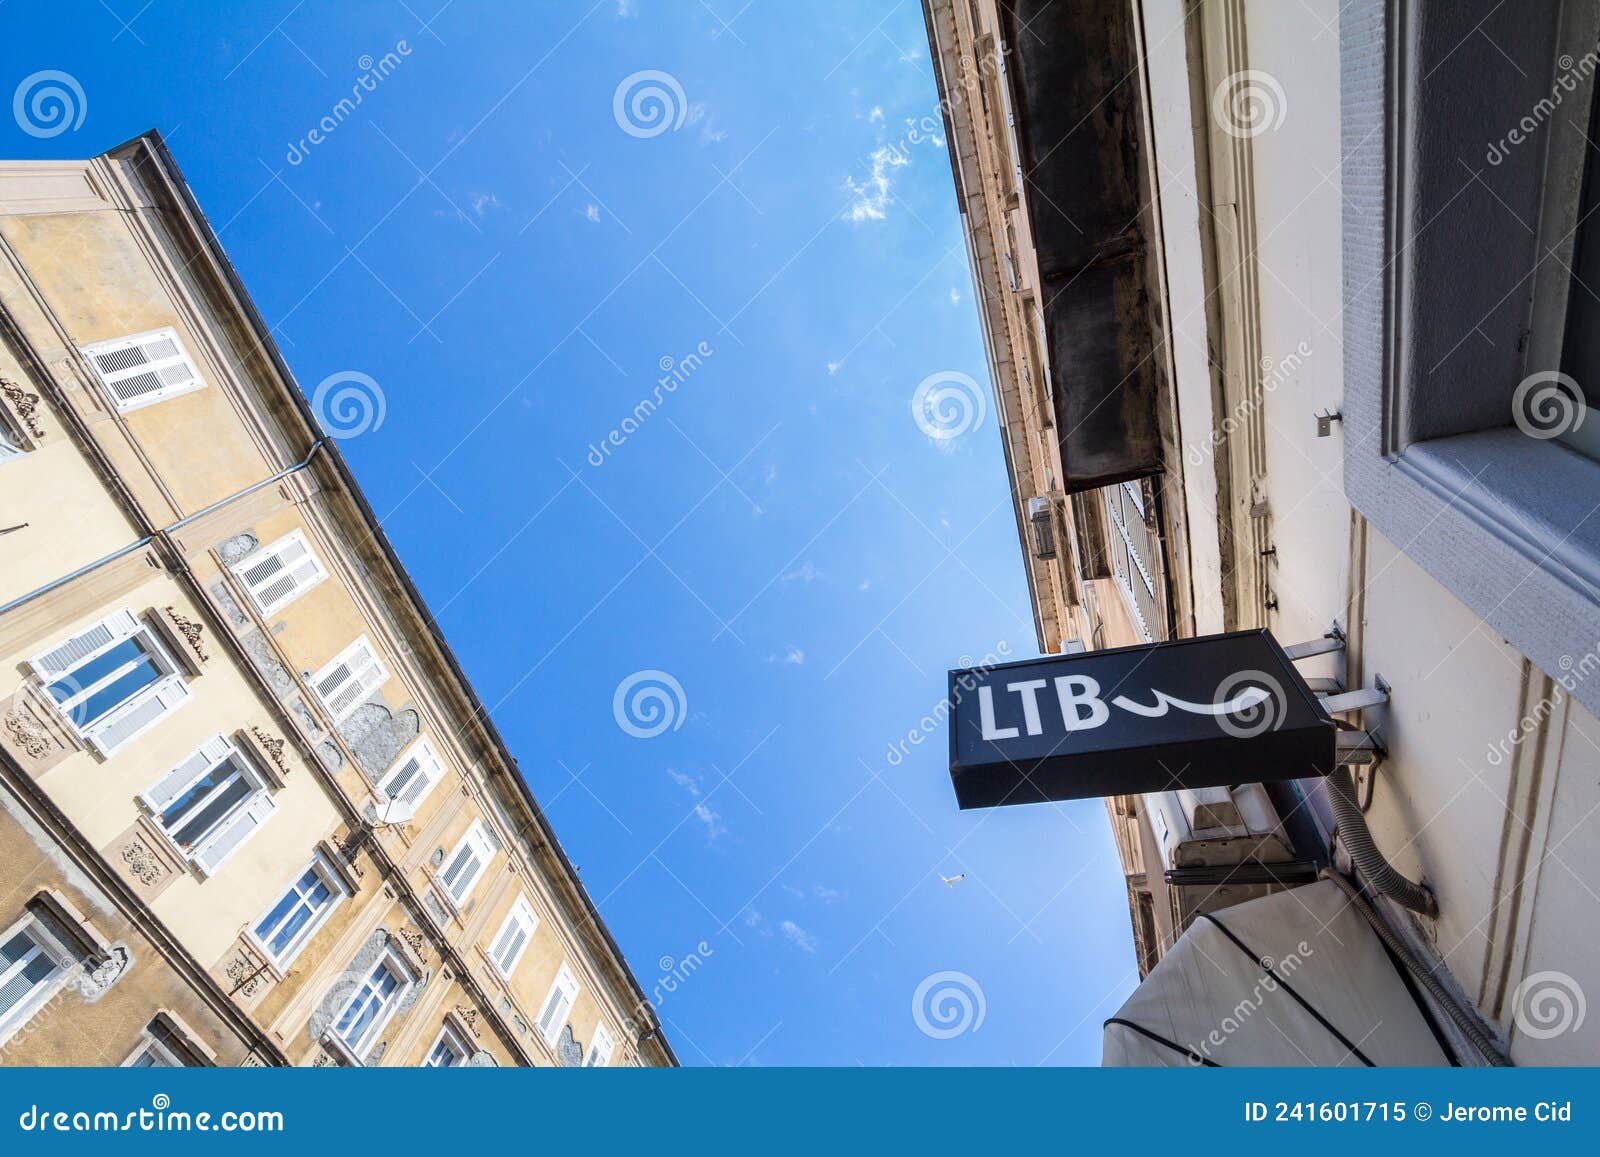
[{"x": 485, "y": 239}]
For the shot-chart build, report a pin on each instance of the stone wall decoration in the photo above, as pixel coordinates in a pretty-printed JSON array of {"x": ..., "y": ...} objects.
[
  {"x": 143, "y": 863},
  {"x": 100, "y": 974},
  {"x": 482, "y": 1059},
  {"x": 191, "y": 631},
  {"x": 377, "y": 736},
  {"x": 330, "y": 755},
  {"x": 27, "y": 733},
  {"x": 233, "y": 549},
  {"x": 265, "y": 659},
  {"x": 415, "y": 941},
  {"x": 230, "y": 606},
  {"x": 324, "y": 1061},
  {"x": 272, "y": 748},
  {"x": 247, "y": 973},
  {"x": 569, "y": 1050},
  {"x": 469, "y": 1017},
  {"x": 25, "y": 405},
  {"x": 349, "y": 845}
]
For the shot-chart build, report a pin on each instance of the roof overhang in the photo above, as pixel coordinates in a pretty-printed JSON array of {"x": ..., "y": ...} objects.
[{"x": 1073, "y": 71}]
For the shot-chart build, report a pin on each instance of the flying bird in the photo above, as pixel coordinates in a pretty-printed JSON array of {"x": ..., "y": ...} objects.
[{"x": 951, "y": 881}]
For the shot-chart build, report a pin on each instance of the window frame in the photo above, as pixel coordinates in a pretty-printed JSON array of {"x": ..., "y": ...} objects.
[
  {"x": 275, "y": 550},
  {"x": 396, "y": 964},
  {"x": 477, "y": 840},
  {"x": 521, "y": 913},
  {"x": 121, "y": 626},
  {"x": 1431, "y": 458},
  {"x": 204, "y": 760},
  {"x": 343, "y": 658},
  {"x": 453, "y": 1038},
  {"x": 605, "y": 1055},
  {"x": 43, "y": 991},
  {"x": 427, "y": 756},
  {"x": 94, "y": 350},
  {"x": 338, "y": 892},
  {"x": 565, "y": 981}
]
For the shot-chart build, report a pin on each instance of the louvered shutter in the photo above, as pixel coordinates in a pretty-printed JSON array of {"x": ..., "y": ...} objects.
[
  {"x": 278, "y": 574},
  {"x": 144, "y": 368},
  {"x": 40, "y": 966},
  {"x": 66, "y": 655},
  {"x": 233, "y": 836},
  {"x": 467, "y": 862},
  {"x": 556, "y": 1006},
  {"x": 354, "y": 674},
  {"x": 128, "y": 721},
  {"x": 414, "y": 775},
  {"x": 169, "y": 787},
  {"x": 519, "y": 927}
]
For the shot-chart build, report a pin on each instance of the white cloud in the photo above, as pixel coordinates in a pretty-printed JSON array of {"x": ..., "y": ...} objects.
[
  {"x": 827, "y": 895},
  {"x": 872, "y": 196},
  {"x": 591, "y": 212},
  {"x": 627, "y": 9},
  {"x": 753, "y": 918},
  {"x": 710, "y": 820},
  {"x": 685, "y": 781},
  {"x": 833, "y": 368},
  {"x": 955, "y": 297},
  {"x": 798, "y": 936},
  {"x": 805, "y": 572},
  {"x": 876, "y": 114},
  {"x": 482, "y": 202},
  {"x": 795, "y": 656},
  {"x": 864, "y": 584}
]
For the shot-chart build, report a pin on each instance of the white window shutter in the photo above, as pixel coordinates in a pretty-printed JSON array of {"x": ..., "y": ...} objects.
[
  {"x": 414, "y": 774},
  {"x": 68, "y": 654},
  {"x": 159, "y": 796},
  {"x": 346, "y": 682},
  {"x": 232, "y": 837},
  {"x": 281, "y": 572},
  {"x": 139, "y": 715},
  {"x": 144, "y": 368},
  {"x": 563, "y": 993}
]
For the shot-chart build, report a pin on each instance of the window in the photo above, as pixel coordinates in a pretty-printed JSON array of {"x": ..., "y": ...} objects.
[
  {"x": 411, "y": 779},
  {"x": 512, "y": 940},
  {"x": 599, "y": 1055},
  {"x": 164, "y": 1046},
  {"x": 450, "y": 1051},
  {"x": 278, "y": 574},
  {"x": 210, "y": 804},
  {"x": 553, "y": 1017},
  {"x": 12, "y": 444},
  {"x": 29, "y": 963},
  {"x": 372, "y": 1005},
  {"x": 346, "y": 682},
  {"x": 145, "y": 368},
  {"x": 297, "y": 915},
  {"x": 465, "y": 863},
  {"x": 113, "y": 681}
]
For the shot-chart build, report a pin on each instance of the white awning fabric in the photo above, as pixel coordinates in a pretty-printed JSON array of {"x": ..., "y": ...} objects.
[{"x": 1295, "y": 978}]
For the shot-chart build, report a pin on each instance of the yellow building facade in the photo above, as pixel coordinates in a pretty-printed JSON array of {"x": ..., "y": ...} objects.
[{"x": 251, "y": 811}]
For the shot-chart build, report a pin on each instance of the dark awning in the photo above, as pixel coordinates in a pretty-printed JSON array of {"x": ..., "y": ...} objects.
[{"x": 1074, "y": 77}]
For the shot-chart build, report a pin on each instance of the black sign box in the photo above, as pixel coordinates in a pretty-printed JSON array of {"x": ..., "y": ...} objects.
[{"x": 1204, "y": 712}]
